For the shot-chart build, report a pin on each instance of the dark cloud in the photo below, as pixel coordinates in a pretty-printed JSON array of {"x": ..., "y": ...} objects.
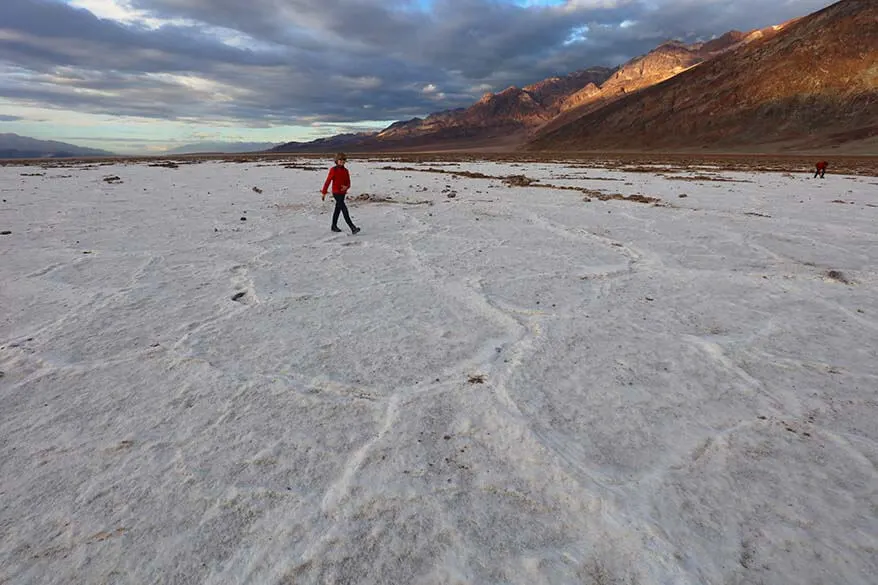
[
  {"x": 271, "y": 62},
  {"x": 5, "y": 118}
]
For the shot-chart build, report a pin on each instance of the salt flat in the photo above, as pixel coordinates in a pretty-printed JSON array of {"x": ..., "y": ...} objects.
[{"x": 510, "y": 386}]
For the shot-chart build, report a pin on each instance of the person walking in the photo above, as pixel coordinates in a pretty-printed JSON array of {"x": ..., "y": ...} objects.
[
  {"x": 340, "y": 180},
  {"x": 821, "y": 169}
]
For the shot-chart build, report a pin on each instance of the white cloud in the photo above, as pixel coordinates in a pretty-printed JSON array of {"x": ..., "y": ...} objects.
[
  {"x": 119, "y": 11},
  {"x": 358, "y": 82}
]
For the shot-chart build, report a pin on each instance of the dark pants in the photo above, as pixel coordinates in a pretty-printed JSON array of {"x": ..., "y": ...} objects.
[
  {"x": 821, "y": 173},
  {"x": 341, "y": 208}
]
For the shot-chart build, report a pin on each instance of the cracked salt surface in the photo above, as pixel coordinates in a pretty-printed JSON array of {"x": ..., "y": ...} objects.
[{"x": 511, "y": 386}]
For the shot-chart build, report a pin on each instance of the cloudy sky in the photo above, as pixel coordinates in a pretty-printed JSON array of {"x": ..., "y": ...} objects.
[{"x": 144, "y": 75}]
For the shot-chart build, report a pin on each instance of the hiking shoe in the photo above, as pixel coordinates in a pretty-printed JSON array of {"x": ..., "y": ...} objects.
[
  {"x": 355, "y": 230},
  {"x": 335, "y": 229}
]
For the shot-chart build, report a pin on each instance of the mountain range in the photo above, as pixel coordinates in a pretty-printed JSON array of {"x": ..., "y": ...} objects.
[
  {"x": 15, "y": 146},
  {"x": 811, "y": 83},
  {"x": 221, "y": 147}
]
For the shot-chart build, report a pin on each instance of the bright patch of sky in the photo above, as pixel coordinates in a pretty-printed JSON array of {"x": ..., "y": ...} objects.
[
  {"x": 122, "y": 11},
  {"x": 539, "y": 3},
  {"x": 137, "y": 135},
  {"x": 577, "y": 35},
  {"x": 119, "y": 10}
]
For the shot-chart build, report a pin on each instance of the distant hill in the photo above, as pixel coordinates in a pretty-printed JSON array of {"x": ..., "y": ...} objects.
[
  {"x": 222, "y": 147},
  {"x": 809, "y": 84},
  {"x": 511, "y": 112},
  {"x": 331, "y": 143},
  {"x": 15, "y": 146}
]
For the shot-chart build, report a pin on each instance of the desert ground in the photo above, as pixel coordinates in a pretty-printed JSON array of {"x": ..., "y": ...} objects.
[{"x": 524, "y": 370}]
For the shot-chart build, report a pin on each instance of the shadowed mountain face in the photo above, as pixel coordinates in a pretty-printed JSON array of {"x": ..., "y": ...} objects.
[
  {"x": 812, "y": 83},
  {"x": 660, "y": 64}
]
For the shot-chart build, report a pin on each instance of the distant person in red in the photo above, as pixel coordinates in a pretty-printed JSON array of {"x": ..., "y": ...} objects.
[
  {"x": 340, "y": 179},
  {"x": 821, "y": 169}
]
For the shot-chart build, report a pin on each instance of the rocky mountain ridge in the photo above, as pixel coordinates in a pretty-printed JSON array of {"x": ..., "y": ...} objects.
[
  {"x": 516, "y": 114},
  {"x": 810, "y": 84},
  {"x": 630, "y": 106}
]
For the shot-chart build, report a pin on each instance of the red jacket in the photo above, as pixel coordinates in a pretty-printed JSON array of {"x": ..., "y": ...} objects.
[
  {"x": 340, "y": 179},
  {"x": 822, "y": 165}
]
